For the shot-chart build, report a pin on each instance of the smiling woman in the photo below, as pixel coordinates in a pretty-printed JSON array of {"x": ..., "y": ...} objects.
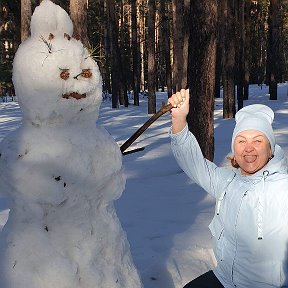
[
  {"x": 253, "y": 141},
  {"x": 60, "y": 171},
  {"x": 249, "y": 227},
  {"x": 252, "y": 151}
]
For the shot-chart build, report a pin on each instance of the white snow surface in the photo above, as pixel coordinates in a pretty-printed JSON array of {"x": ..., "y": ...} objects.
[{"x": 164, "y": 214}]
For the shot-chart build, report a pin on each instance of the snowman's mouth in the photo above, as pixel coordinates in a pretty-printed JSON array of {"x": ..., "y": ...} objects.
[{"x": 74, "y": 95}]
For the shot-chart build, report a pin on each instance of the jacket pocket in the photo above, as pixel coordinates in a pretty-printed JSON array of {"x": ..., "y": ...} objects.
[
  {"x": 267, "y": 273},
  {"x": 217, "y": 231}
]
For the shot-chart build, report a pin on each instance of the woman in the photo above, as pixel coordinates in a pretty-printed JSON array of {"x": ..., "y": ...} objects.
[{"x": 250, "y": 225}]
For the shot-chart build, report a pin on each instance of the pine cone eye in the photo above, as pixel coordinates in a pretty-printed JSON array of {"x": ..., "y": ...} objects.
[
  {"x": 51, "y": 36},
  {"x": 64, "y": 74},
  {"x": 86, "y": 73}
]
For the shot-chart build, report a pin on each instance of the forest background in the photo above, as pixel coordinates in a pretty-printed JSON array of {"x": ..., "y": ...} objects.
[{"x": 145, "y": 46}]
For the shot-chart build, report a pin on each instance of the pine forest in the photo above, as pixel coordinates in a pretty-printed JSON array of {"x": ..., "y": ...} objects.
[{"x": 144, "y": 46}]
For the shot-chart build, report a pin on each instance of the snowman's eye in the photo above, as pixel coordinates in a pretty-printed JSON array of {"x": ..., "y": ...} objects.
[
  {"x": 51, "y": 36},
  {"x": 86, "y": 73},
  {"x": 64, "y": 74}
]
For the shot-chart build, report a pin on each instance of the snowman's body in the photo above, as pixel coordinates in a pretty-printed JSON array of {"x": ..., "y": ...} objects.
[{"x": 61, "y": 172}]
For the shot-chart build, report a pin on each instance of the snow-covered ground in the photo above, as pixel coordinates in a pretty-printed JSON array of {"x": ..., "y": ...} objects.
[{"x": 164, "y": 214}]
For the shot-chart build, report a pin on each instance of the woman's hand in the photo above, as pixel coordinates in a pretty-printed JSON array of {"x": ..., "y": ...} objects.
[{"x": 180, "y": 102}]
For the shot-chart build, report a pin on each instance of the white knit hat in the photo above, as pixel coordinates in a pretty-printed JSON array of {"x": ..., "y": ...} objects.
[{"x": 255, "y": 117}]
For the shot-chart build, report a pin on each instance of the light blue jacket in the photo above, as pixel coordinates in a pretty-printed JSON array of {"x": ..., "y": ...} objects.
[{"x": 250, "y": 225}]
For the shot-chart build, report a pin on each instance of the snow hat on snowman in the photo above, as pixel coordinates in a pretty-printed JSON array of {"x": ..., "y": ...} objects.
[{"x": 255, "y": 117}]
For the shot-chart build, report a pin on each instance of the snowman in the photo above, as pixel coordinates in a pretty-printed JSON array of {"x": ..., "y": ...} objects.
[{"x": 60, "y": 171}]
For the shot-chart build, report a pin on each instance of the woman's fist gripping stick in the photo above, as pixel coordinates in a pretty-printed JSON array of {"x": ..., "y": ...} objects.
[{"x": 180, "y": 110}]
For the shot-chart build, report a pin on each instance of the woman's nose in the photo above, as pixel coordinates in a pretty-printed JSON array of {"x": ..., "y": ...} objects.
[{"x": 249, "y": 147}]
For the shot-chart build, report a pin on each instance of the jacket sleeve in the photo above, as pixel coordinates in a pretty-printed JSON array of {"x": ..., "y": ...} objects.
[{"x": 189, "y": 156}]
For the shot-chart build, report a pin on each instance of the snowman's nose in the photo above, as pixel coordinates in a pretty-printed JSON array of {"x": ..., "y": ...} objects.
[{"x": 76, "y": 77}]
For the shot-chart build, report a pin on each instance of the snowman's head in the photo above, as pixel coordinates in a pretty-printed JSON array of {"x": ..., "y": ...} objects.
[{"x": 56, "y": 79}]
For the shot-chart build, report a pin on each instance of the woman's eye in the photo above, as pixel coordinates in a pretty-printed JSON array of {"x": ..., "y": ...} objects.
[
  {"x": 86, "y": 73},
  {"x": 64, "y": 74}
]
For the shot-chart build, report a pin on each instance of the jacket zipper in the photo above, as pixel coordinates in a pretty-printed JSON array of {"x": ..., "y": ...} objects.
[{"x": 236, "y": 242}]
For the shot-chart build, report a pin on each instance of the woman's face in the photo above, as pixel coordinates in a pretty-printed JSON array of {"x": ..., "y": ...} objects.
[{"x": 251, "y": 151}]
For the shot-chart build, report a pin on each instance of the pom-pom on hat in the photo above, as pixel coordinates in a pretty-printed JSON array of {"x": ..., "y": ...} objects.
[{"x": 255, "y": 117}]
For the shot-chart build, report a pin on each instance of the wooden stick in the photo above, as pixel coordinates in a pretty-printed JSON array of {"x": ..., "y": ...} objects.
[
  {"x": 133, "y": 150},
  {"x": 162, "y": 111}
]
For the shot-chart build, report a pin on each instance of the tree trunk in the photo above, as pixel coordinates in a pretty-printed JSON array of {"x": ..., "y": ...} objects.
[
  {"x": 202, "y": 60},
  {"x": 167, "y": 54},
  {"x": 151, "y": 57},
  {"x": 25, "y": 19},
  {"x": 123, "y": 99},
  {"x": 186, "y": 35},
  {"x": 228, "y": 58},
  {"x": 135, "y": 53},
  {"x": 273, "y": 50},
  {"x": 218, "y": 67},
  {"x": 165, "y": 44},
  {"x": 247, "y": 43},
  {"x": 114, "y": 54},
  {"x": 107, "y": 43},
  {"x": 258, "y": 43},
  {"x": 78, "y": 14},
  {"x": 181, "y": 24},
  {"x": 162, "y": 34},
  {"x": 239, "y": 8},
  {"x": 142, "y": 26}
]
